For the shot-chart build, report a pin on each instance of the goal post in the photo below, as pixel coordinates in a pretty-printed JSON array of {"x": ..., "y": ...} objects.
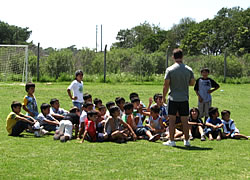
[{"x": 14, "y": 63}]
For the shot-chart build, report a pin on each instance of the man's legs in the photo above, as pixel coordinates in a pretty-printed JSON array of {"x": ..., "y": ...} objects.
[
  {"x": 172, "y": 120},
  {"x": 184, "y": 121}
]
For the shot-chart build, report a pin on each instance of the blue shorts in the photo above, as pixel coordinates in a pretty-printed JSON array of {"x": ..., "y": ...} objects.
[{"x": 141, "y": 131}]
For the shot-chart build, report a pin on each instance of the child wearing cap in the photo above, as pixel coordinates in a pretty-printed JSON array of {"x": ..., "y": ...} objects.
[{"x": 203, "y": 88}]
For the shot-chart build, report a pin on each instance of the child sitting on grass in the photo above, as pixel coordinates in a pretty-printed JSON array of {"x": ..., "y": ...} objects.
[
  {"x": 90, "y": 133},
  {"x": 229, "y": 129},
  {"x": 113, "y": 126},
  {"x": 48, "y": 122},
  {"x": 214, "y": 125},
  {"x": 195, "y": 125},
  {"x": 55, "y": 109},
  {"x": 67, "y": 124},
  {"x": 17, "y": 122},
  {"x": 29, "y": 101},
  {"x": 97, "y": 103},
  {"x": 120, "y": 101}
]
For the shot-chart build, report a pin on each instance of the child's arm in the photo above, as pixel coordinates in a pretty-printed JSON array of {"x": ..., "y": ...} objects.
[
  {"x": 192, "y": 123},
  {"x": 27, "y": 110},
  {"x": 69, "y": 93},
  {"x": 57, "y": 116},
  {"x": 82, "y": 128},
  {"x": 210, "y": 125},
  {"x": 83, "y": 137},
  {"x": 199, "y": 97},
  {"x": 150, "y": 101},
  {"x": 76, "y": 130},
  {"x": 220, "y": 126},
  {"x": 130, "y": 129},
  {"x": 24, "y": 119},
  {"x": 162, "y": 128},
  {"x": 51, "y": 122},
  {"x": 28, "y": 117}
]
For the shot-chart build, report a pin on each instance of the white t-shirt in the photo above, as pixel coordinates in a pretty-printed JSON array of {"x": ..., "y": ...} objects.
[
  {"x": 83, "y": 116},
  {"x": 77, "y": 88},
  {"x": 41, "y": 118}
]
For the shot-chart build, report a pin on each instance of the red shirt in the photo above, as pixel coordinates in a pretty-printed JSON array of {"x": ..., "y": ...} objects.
[{"x": 90, "y": 127}]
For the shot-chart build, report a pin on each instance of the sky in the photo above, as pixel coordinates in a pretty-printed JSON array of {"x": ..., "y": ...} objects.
[{"x": 63, "y": 23}]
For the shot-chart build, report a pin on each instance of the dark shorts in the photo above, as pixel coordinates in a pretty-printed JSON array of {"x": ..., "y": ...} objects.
[
  {"x": 181, "y": 107},
  {"x": 19, "y": 127},
  {"x": 49, "y": 127},
  {"x": 141, "y": 131},
  {"x": 99, "y": 138}
]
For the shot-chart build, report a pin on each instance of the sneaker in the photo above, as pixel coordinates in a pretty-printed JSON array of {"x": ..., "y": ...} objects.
[
  {"x": 37, "y": 134},
  {"x": 191, "y": 137},
  {"x": 187, "y": 143},
  {"x": 169, "y": 143},
  {"x": 203, "y": 138},
  {"x": 64, "y": 138},
  {"x": 164, "y": 139},
  {"x": 43, "y": 131},
  {"x": 56, "y": 136},
  {"x": 154, "y": 138}
]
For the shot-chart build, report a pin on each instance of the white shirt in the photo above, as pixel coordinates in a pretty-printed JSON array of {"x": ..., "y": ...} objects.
[{"x": 77, "y": 88}]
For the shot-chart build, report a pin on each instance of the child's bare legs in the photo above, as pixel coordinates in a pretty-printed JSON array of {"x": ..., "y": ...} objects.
[
  {"x": 210, "y": 136},
  {"x": 218, "y": 138},
  {"x": 238, "y": 136},
  {"x": 117, "y": 135}
]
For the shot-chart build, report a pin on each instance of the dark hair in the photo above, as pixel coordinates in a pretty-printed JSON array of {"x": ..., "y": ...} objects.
[
  {"x": 74, "y": 109},
  {"x": 15, "y": 104},
  {"x": 101, "y": 107},
  {"x": 113, "y": 109},
  {"x": 194, "y": 109},
  {"x": 52, "y": 101},
  {"x": 157, "y": 95},
  {"x": 128, "y": 106},
  {"x": 155, "y": 109},
  {"x": 91, "y": 113},
  {"x": 97, "y": 100},
  {"x": 44, "y": 106},
  {"x": 86, "y": 96},
  {"x": 224, "y": 112},
  {"x": 205, "y": 69},
  {"x": 132, "y": 95},
  {"x": 29, "y": 85},
  {"x": 78, "y": 72},
  {"x": 177, "y": 53},
  {"x": 212, "y": 111},
  {"x": 109, "y": 104},
  {"x": 118, "y": 100},
  {"x": 135, "y": 99},
  {"x": 87, "y": 104}
]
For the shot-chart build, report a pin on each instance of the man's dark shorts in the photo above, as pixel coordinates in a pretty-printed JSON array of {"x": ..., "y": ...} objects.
[{"x": 181, "y": 107}]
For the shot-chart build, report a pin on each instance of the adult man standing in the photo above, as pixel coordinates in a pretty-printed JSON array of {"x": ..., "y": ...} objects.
[{"x": 178, "y": 78}]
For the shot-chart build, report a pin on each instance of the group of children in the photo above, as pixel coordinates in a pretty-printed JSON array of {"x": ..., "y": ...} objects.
[{"x": 118, "y": 121}]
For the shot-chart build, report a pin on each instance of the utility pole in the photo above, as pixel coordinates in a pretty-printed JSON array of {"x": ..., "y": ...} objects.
[
  {"x": 105, "y": 69},
  {"x": 101, "y": 37},
  {"x": 96, "y": 38},
  {"x": 38, "y": 58}
]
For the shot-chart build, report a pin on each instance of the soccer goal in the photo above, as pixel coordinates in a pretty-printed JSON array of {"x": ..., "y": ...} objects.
[{"x": 14, "y": 63}]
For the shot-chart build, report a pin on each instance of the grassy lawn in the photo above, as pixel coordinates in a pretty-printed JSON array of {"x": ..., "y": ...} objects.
[{"x": 44, "y": 158}]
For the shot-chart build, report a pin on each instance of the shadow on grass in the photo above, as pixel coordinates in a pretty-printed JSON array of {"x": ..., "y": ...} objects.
[{"x": 193, "y": 148}]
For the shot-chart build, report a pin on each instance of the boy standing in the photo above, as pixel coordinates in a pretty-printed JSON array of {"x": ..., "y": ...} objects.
[
  {"x": 29, "y": 101},
  {"x": 204, "y": 86}
]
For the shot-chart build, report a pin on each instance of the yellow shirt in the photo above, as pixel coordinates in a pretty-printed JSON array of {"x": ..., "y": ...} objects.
[{"x": 11, "y": 121}]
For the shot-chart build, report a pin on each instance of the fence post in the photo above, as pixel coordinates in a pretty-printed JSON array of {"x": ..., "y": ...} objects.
[
  {"x": 38, "y": 58},
  {"x": 167, "y": 56},
  {"x": 105, "y": 53},
  {"x": 225, "y": 65}
]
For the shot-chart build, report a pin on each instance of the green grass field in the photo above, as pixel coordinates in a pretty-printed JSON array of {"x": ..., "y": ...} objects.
[{"x": 44, "y": 158}]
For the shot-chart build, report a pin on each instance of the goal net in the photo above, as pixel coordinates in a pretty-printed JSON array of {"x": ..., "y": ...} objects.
[{"x": 14, "y": 63}]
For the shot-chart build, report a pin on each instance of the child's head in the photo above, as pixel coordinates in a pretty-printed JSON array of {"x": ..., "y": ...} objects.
[
  {"x": 133, "y": 95},
  {"x": 45, "y": 108},
  {"x": 110, "y": 104},
  {"x": 225, "y": 115},
  {"x": 75, "y": 110},
  {"x": 114, "y": 111},
  {"x": 204, "y": 72},
  {"x": 102, "y": 110},
  {"x": 87, "y": 106},
  {"x": 30, "y": 88},
  {"x": 16, "y": 107},
  {"x": 92, "y": 115},
  {"x": 194, "y": 113},
  {"x": 213, "y": 112},
  {"x": 78, "y": 75},
  {"x": 128, "y": 107},
  {"x": 55, "y": 103},
  {"x": 136, "y": 102},
  {"x": 97, "y": 102},
  {"x": 87, "y": 97},
  {"x": 158, "y": 99},
  {"x": 120, "y": 101},
  {"x": 154, "y": 111}
]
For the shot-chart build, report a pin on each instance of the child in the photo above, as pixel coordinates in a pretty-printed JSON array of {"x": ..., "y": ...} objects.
[
  {"x": 29, "y": 101},
  {"x": 90, "y": 132},
  {"x": 70, "y": 121},
  {"x": 87, "y": 97},
  {"x": 77, "y": 87},
  {"x": 48, "y": 122},
  {"x": 204, "y": 86},
  {"x": 229, "y": 129},
  {"x": 112, "y": 127},
  {"x": 155, "y": 121},
  {"x": 214, "y": 125},
  {"x": 101, "y": 118},
  {"x": 55, "y": 109},
  {"x": 87, "y": 106},
  {"x": 196, "y": 125},
  {"x": 16, "y": 122},
  {"x": 97, "y": 103},
  {"x": 135, "y": 95},
  {"x": 120, "y": 101},
  {"x": 108, "y": 106},
  {"x": 136, "y": 122}
]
